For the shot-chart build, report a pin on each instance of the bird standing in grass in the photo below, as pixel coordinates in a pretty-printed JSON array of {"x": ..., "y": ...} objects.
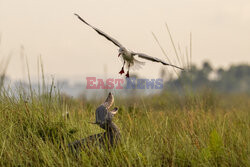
[{"x": 127, "y": 56}]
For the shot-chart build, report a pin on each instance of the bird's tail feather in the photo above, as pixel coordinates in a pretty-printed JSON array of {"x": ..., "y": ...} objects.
[{"x": 137, "y": 65}]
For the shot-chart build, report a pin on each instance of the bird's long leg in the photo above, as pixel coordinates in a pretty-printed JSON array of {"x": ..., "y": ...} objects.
[
  {"x": 122, "y": 70},
  {"x": 127, "y": 75}
]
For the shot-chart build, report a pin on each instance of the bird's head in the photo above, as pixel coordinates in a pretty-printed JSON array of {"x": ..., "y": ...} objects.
[{"x": 121, "y": 51}]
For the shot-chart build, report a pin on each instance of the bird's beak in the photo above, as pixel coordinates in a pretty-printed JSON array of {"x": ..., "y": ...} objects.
[{"x": 119, "y": 54}]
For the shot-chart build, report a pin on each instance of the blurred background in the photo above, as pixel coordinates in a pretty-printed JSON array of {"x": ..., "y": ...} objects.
[{"x": 211, "y": 41}]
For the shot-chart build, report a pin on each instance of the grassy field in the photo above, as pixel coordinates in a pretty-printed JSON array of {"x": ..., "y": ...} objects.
[{"x": 204, "y": 129}]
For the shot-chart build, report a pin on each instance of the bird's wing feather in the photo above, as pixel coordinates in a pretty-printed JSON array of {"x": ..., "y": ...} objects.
[
  {"x": 154, "y": 59},
  {"x": 114, "y": 41}
]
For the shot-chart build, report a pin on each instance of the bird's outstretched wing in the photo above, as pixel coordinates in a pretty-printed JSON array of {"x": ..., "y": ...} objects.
[
  {"x": 154, "y": 59},
  {"x": 114, "y": 41}
]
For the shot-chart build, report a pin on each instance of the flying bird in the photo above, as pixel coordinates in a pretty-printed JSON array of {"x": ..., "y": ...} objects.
[{"x": 127, "y": 56}]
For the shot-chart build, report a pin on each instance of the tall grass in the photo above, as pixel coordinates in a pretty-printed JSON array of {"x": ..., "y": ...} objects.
[{"x": 164, "y": 130}]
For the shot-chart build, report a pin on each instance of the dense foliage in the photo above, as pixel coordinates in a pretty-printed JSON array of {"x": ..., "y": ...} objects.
[{"x": 235, "y": 79}]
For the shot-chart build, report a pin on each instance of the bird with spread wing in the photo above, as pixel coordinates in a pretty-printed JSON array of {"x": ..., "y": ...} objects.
[{"x": 127, "y": 56}]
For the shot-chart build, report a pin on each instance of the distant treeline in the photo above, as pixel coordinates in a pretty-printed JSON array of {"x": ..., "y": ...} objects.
[{"x": 235, "y": 79}]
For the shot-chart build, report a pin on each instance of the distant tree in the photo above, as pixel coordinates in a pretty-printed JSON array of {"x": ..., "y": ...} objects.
[
  {"x": 207, "y": 69},
  {"x": 235, "y": 79}
]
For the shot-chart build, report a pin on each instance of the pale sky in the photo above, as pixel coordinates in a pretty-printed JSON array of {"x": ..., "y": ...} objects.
[{"x": 70, "y": 49}]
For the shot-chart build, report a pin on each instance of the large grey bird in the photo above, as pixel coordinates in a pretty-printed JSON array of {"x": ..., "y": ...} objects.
[{"x": 127, "y": 56}]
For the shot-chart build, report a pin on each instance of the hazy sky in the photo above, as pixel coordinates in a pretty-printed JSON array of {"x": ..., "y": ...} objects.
[{"x": 70, "y": 49}]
